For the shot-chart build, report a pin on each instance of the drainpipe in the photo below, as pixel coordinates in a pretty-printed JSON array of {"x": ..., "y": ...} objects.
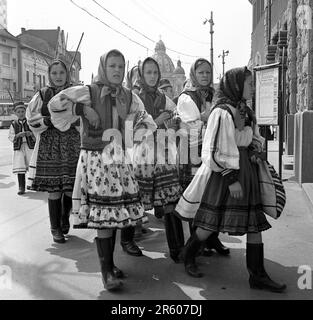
[
  {"x": 293, "y": 59},
  {"x": 310, "y": 72}
]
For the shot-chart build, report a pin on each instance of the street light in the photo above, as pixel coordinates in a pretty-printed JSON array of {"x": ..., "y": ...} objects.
[
  {"x": 211, "y": 22},
  {"x": 223, "y": 55}
]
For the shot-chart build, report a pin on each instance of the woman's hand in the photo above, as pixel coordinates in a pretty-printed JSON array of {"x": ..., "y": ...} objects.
[
  {"x": 236, "y": 190},
  {"x": 161, "y": 118},
  {"x": 92, "y": 116}
]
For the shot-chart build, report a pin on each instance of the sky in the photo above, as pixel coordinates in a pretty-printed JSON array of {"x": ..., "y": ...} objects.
[{"x": 179, "y": 23}]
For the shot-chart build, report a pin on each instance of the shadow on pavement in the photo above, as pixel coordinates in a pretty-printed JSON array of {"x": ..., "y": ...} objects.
[
  {"x": 79, "y": 250},
  {"x": 36, "y": 279}
]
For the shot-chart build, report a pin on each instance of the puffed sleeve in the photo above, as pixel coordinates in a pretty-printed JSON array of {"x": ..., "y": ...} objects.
[
  {"x": 66, "y": 107},
  {"x": 220, "y": 151},
  {"x": 187, "y": 109},
  {"x": 11, "y": 135},
  {"x": 36, "y": 121}
]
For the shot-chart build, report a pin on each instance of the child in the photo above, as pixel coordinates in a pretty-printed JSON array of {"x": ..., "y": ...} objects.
[
  {"x": 106, "y": 194},
  {"x": 23, "y": 143}
]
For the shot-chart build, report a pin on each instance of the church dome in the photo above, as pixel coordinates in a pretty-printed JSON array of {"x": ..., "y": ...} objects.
[
  {"x": 165, "y": 62},
  {"x": 179, "y": 69}
]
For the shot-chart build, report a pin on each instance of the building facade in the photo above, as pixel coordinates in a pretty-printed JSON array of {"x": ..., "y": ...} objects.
[
  {"x": 9, "y": 69},
  {"x": 282, "y": 31},
  {"x": 24, "y": 61}
]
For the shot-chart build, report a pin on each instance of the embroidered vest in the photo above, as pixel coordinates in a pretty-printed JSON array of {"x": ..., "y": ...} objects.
[{"x": 18, "y": 127}]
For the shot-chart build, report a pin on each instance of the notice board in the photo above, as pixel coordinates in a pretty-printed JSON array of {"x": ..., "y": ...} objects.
[{"x": 266, "y": 95}]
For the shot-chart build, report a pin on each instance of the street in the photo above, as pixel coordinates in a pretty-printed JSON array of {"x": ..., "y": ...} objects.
[{"x": 43, "y": 270}]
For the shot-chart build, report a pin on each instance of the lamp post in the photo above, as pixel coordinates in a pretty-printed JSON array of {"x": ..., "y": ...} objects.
[
  {"x": 211, "y": 22},
  {"x": 223, "y": 55}
]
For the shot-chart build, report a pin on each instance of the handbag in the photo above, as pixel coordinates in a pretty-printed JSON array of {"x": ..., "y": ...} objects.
[{"x": 272, "y": 191}]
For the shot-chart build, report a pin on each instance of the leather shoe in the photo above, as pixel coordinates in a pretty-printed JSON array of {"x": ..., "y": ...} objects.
[
  {"x": 118, "y": 273},
  {"x": 193, "y": 271},
  {"x": 214, "y": 242},
  {"x": 131, "y": 248}
]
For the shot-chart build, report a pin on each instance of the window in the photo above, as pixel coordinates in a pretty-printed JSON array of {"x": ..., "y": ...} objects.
[
  {"x": 6, "y": 58},
  {"x": 27, "y": 76},
  {"x": 14, "y": 86},
  {"x": 39, "y": 77},
  {"x": 44, "y": 81},
  {"x": 6, "y": 84},
  {"x": 14, "y": 62}
]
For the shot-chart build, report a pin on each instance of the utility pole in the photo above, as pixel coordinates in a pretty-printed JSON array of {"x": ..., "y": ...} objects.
[
  {"x": 223, "y": 55},
  {"x": 211, "y": 22}
]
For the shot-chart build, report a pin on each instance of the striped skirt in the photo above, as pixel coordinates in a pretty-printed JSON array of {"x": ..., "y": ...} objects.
[
  {"x": 54, "y": 161},
  {"x": 220, "y": 212}
]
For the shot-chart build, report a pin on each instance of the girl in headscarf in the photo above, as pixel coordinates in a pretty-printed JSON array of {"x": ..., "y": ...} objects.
[
  {"x": 193, "y": 108},
  {"x": 54, "y": 160},
  {"x": 106, "y": 194},
  {"x": 157, "y": 176},
  {"x": 231, "y": 199}
]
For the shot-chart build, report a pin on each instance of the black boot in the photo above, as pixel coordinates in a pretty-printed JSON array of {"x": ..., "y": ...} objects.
[
  {"x": 174, "y": 235},
  {"x": 105, "y": 253},
  {"x": 259, "y": 279},
  {"x": 116, "y": 271},
  {"x": 55, "y": 212},
  {"x": 189, "y": 253},
  {"x": 213, "y": 242},
  {"x": 66, "y": 209},
  {"x": 127, "y": 242},
  {"x": 21, "y": 183}
]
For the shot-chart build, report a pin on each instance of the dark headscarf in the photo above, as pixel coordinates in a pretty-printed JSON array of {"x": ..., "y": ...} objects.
[
  {"x": 111, "y": 93},
  {"x": 153, "y": 99},
  {"x": 231, "y": 90},
  {"x": 67, "y": 81},
  {"x": 205, "y": 92}
]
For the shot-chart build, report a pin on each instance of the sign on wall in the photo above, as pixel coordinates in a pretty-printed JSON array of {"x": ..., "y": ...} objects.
[{"x": 266, "y": 95}]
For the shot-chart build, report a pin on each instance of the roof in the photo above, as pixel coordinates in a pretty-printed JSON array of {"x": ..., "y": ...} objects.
[
  {"x": 36, "y": 43},
  {"x": 5, "y": 33},
  {"x": 50, "y": 36}
]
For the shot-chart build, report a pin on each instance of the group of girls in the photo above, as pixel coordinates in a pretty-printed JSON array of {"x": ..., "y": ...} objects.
[{"x": 107, "y": 187}]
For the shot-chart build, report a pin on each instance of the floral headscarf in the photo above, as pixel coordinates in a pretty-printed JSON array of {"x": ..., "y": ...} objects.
[
  {"x": 206, "y": 92},
  {"x": 153, "y": 99},
  {"x": 132, "y": 79},
  {"x": 109, "y": 89}
]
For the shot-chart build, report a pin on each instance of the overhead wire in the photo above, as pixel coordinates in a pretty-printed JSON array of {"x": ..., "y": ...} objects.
[
  {"x": 164, "y": 21},
  {"x": 140, "y": 33}
]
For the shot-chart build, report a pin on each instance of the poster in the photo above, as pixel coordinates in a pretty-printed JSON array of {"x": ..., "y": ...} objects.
[{"x": 266, "y": 96}]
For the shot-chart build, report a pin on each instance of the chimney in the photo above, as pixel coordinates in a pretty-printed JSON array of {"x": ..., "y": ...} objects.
[{"x": 23, "y": 30}]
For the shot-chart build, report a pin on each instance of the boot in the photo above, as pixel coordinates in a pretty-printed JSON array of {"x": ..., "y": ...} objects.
[
  {"x": 213, "y": 242},
  {"x": 21, "y": 183},
  {"x": 127, "y": 242},
  {"x": 66, "y": 210},
  {"x": 116, "y": 271},
  {"x": 258, "y": 278},
  {"x": 55, "y": 209},
  {"x": 105, "y": 253},
  {"x": 174, "y": 235},
  {"x": 189, "y": 253}
]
